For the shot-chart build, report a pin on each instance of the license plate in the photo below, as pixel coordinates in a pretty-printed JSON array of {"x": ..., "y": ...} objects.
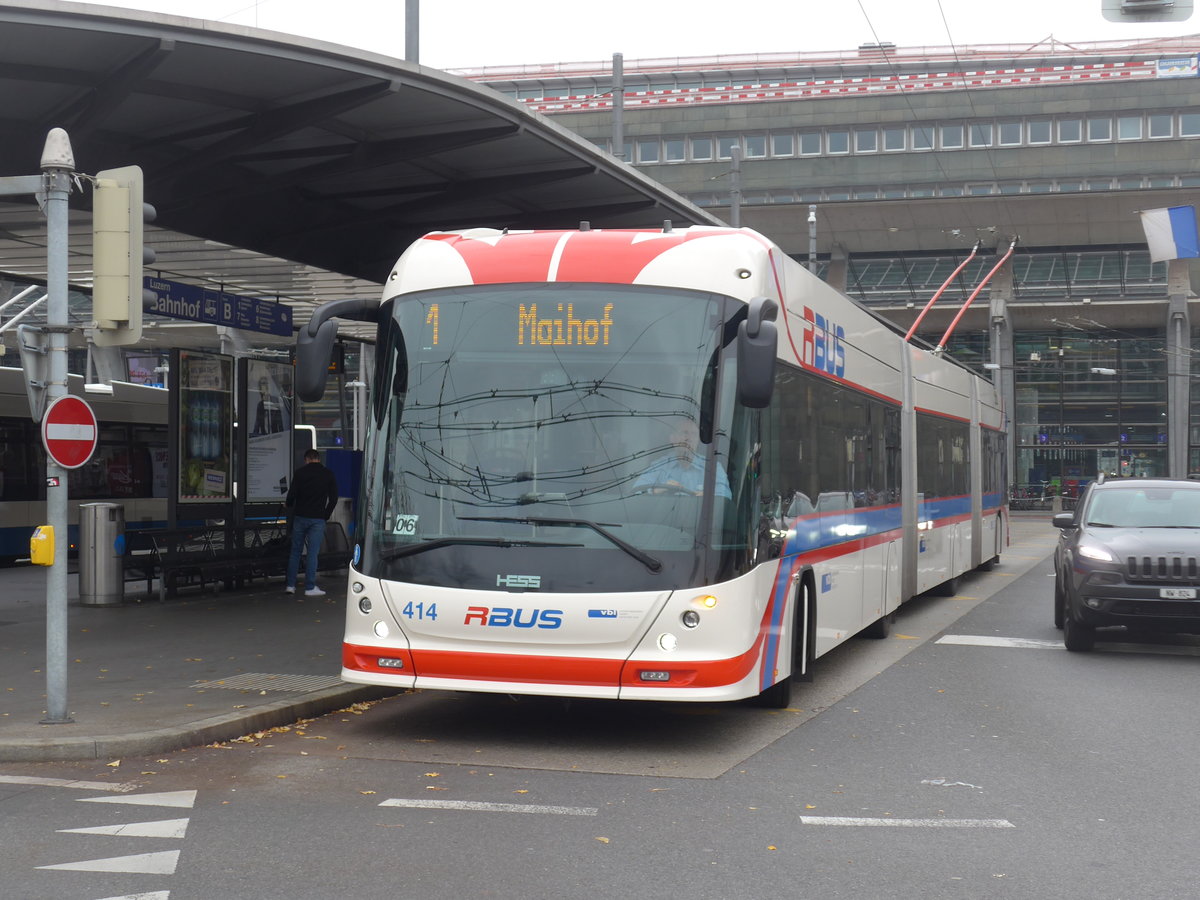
[{"x": 1177, "y": 593}]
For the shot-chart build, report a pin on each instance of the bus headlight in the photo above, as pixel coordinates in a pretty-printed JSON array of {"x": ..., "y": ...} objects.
[
  {"x": 381, "y": 629},
  {"x": 668, "y": 642},
  {"x": 364, "y": 605},
  {"x": 690, "y": 618},
  {"x": 704, "y": 601}
]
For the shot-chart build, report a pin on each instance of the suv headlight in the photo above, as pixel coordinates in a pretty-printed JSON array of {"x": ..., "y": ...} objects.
[{"x": 1091, "y": 551}]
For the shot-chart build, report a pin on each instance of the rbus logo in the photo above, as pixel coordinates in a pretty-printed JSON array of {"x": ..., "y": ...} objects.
[
  {"x": 821, "y": 344},
  {"x": 504, "y": 617}
]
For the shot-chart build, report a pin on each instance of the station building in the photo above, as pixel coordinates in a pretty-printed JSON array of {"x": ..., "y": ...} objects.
[{"x": 882, "y": 167}]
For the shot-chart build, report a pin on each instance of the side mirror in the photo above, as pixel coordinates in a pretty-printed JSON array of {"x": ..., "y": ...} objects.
[
  {"x": 314, "y": 343},
  {"x": 1063, "y": 520},
  {"x": 757, "y": 342}
]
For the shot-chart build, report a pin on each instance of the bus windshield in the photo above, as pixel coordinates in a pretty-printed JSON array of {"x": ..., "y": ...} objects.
[{"x": 587, "y": 431}]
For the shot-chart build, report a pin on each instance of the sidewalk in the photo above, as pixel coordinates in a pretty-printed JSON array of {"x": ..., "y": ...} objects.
[{"x": 151, "y": 677}]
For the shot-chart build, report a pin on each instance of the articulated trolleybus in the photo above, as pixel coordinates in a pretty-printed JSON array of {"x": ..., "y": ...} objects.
[{"x": 646, "y": 464}]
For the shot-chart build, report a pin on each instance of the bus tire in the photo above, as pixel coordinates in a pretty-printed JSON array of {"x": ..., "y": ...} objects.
[
  {"x": 779, "y": 695},
  {"x": 947, "y": 588},
  {"x": 881, "y": 628}
]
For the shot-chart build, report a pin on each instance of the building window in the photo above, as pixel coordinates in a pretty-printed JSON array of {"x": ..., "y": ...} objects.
[
  {"x": 950, "y": 191},
  {"x": 1010, "y": 134},
  {"x": 783, "y": 145},
  {"x": 702, "y": 149},
  {"x": 756, "y": 146},
  {"x": 981, "y": 190},
  {"x": 674, "y": 150},
  {"x": 1070, "y": 131},
  {"x": 838, "y": 141},
  {"x": 1038, "y": 187},
  {"x": 951, "y": 137},
  {"x": 1068, "y": 187},
  {"x": 1099, "y": 129},
  {"x": 648, "y": 151},
  {"x": 1039, "y": 131},
  {"x": 1129, "y": 128},
  {"x": 922, "y": 137},
  {"x": 981, "y": 134},
  {"x": 866, "y": 141},
  {"x": 893, "y": 139},
  {"x": 1189, "y": 125},
  {"x": 1160, "y": 126},
  {"x": 1129, "y": 184},
  {"x": 725, "y": 147},
  {"x": 810, "y": 143}
]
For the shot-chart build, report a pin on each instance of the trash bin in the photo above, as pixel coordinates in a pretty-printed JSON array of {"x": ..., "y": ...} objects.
[
  {"x": 101, "y": 552},
  {"x": 343, "y": 514}
]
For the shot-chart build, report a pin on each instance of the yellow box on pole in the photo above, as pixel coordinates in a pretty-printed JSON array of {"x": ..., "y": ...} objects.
[{"x": 41, "y": 546}]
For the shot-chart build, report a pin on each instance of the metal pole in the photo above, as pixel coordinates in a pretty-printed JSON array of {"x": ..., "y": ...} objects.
[
  {"x": 812, "y": 238},
  {"x": 735, "y": 187},
  {"x": 412, "y": 31},
  {"x": 618, "y": 106},
  {"x": 58, "y": 164}
]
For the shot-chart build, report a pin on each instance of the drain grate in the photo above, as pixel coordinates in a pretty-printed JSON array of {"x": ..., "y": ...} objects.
[{"x": 260, "y": 681}]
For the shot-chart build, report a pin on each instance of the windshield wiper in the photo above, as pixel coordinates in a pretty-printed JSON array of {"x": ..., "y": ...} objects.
[
  {"x": 398, "y": 552},
  {"x": 641, "y": 556}
]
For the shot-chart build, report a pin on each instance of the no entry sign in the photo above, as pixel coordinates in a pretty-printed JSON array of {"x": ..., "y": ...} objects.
[{"x": 69, "y": 432}]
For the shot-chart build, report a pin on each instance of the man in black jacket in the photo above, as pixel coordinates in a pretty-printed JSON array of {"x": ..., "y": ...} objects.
[{"x": 311, "y": 500}]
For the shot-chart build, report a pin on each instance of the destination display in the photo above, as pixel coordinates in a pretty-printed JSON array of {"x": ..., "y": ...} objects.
[{"x": 197, "y": 304}]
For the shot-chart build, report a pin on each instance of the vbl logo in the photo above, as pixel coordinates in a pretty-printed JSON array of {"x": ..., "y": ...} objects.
[
  {"x": 503, "y": 617},
  {"x": 821, "y": 344}
]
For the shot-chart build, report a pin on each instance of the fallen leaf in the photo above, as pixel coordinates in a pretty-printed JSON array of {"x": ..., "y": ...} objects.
[
  {"x": 521, "y": 791},
  {"x": 114, "y": 763},
  {"x": 366, "y": 792},
  {"x": 772, "y": 847},
  {"x": 602, "y": 840},
  {"x": 433, "y": 774}
]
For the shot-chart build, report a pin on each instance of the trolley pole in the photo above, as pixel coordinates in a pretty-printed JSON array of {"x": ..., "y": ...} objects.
[{"x": 58, "y": 166}]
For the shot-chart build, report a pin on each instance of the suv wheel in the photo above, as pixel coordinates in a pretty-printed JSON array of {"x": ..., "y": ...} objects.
[
  {"x": 1077, "y": 637},
  {"x": 1059, "y": 601}
]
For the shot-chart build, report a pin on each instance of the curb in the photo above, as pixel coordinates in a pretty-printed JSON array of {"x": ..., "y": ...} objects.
[{"x": 193, "y": 734}]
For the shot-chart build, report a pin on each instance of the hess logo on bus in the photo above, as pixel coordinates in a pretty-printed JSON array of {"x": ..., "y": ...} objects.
[
  {"x": 821, "y": 344},
  {"x": 508, "y": 617}
]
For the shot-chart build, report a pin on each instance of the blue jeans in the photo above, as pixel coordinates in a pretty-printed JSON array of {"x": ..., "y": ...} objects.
[{"x": 311, "y": 532}]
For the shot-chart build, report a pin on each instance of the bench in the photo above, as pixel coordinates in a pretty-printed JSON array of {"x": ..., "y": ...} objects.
[{"x": 220, "y": 554}]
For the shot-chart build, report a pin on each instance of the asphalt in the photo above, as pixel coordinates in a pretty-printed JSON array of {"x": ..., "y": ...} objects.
[{"x": 148, "y": 676}]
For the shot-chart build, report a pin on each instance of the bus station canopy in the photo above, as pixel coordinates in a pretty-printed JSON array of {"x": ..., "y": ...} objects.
[{"x": 279, "y": 166}]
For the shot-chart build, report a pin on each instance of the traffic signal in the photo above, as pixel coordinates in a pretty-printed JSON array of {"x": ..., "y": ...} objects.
[{"x": 118, "y": 216}]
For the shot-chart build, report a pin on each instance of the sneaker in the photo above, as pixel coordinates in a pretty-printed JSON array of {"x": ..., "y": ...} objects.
[
  {"x": 289, "y": 589},
  {"x": 314, "y": 592}
]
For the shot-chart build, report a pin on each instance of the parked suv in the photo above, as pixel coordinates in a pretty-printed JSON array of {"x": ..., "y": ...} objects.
[{"x": 1129, "y": 555}]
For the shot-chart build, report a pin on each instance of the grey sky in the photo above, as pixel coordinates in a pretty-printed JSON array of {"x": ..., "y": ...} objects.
[{"x": 474, "y": 33}]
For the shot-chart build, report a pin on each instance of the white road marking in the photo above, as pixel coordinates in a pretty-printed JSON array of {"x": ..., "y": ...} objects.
[
  {"x": 150, "y": 895},
  {"x": 982, "y": 640},
  {"x": 67, "y": 783},
  {"x": 978, "y": 640},
  {"x": 162, "y": 863},
  {"x": 163, "y": 828},
  {"x": 493, "y": 807},
  {"x": 183, "y": 799},
  {"x": 907, "y": 823}
]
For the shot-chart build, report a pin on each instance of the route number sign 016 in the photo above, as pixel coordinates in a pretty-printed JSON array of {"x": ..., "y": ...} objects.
[{"x": 69, "y": 432}]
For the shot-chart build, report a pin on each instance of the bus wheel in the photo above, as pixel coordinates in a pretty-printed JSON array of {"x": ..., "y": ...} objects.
[
  {"x": 779, "y": 695},
  {"x": 947, "y": 588},
  {"x": 881, "y": 628}
]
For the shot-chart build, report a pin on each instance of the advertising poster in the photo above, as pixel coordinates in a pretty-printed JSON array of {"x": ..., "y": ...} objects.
[
  {"x": 269, "y": 443},
  {"x": 205, "y": 427}
]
